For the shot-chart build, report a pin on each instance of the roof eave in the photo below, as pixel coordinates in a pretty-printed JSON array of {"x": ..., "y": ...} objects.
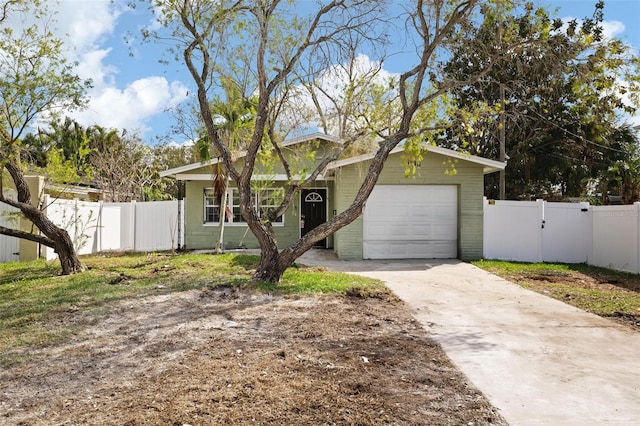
[
  {"x": 173, "y": 173},
  {"x": 490, "y": 166}
]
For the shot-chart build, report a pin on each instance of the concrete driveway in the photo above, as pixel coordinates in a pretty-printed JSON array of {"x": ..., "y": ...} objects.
[{"x": 538, "y": 360}]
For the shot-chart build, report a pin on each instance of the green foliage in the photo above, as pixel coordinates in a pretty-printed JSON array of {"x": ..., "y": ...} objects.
[
  {"x": 35, "y": 78},
  {"x": 36, "y": 81},
  {"x": 62, "y": 154},
  {"x": 124, "y": 167},
  {"x": 116, "y": 161},
  {"x": 301, "y": 280},
  {"x": 563, "y": 97},
  {"x": 622, "y": 178},
  {"x": 167, "y": 157}
]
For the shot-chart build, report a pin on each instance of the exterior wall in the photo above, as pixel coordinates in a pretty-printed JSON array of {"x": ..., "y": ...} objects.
[
  {"x": 347, "y": 242},
  {"x": 468, "y": 177},
  {"x": 199, "y": 235}
]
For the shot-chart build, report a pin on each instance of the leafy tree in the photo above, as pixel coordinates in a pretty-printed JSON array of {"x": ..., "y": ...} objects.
[
  {"x": 168, "y": 156},
  {"x": 558, "y": 101},
  {"x": 122, "y": 164},
  {"x": 118, "y": 162},
  {"x": 60, "y": 152},
  {"x": 274, "y": 49},
  {"x": 35, "y": 79},
  {"x": 622, "y": 178}
]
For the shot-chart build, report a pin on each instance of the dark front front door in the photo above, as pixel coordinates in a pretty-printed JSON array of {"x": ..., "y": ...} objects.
[{"x": 313, "y": 211}]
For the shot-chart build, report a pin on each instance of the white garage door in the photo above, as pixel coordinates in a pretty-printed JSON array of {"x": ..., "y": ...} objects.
[{"x": 411, "y": 221}]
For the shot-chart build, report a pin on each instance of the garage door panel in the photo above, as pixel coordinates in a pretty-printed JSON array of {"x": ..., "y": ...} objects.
[
  {"x": 420, "y": 211},
  {"x": 408, "y": 250},
  {"x": 411, "y": 221},
  {"x": 413, "y": 232},
  {"x": 442, "y": 212},
  {"x": 395, "y": 211},
  {"x": 380, "y": 231}
]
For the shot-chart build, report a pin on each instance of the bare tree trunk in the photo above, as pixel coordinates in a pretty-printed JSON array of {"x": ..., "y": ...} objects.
[
  {"x": 273, "y": 263},
  {"x": 59, "y": 238}
]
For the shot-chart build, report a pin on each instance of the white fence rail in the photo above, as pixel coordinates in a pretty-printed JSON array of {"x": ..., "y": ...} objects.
[
  {"x": 540, "y": 231},
  {"x": 96, "y": 227}
]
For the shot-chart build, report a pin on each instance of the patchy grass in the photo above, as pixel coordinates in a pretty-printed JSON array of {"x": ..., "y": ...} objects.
[
  {"x": 39, "y": 307},
  {"x": 313, "y": 280},
  {"x": 601, "y": 291}
]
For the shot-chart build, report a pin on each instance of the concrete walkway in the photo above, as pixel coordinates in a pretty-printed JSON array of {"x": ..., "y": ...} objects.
[{"x": 538, "y": 360}]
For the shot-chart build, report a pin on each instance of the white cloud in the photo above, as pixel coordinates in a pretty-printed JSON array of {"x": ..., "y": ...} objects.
[
  {"x": 84, "y": 23},
  {"x": 184, "y": 144},
  {"x": 335, "y": 80},
  {"x": 612, "y": 28},
  {"x": 91, "y": 66},
  {"x": 89, "y": 30},
  {"x": 131, "y": 107}
]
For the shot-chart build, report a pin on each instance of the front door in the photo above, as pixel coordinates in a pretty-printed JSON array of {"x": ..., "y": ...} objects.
[{"x": 313, "y": 211}]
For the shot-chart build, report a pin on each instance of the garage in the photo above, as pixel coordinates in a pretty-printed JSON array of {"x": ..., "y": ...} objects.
[{"x": 411, "y": 221}]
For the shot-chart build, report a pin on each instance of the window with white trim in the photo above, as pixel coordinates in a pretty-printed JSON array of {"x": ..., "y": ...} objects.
[
  {"x": 211, "y": 208},
  {"x": 267, "y": 200},
  {"x": 234, "y": 206}
]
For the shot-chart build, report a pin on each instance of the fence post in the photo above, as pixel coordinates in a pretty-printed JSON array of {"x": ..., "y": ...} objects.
[
  {"x": 541, "y": 223},
  {"x": 587, "y": 229},
  {"x": 485, "y": 202},
  {"x": 181, "y": 229},
  {"x": 637, "y": 216},
  {"x": 132, "y": 227},
  {"x": 98, "y": 244},
  {"x": 76, "y": 209}
]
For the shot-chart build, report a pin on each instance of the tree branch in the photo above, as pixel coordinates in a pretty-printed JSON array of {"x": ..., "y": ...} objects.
[{"x": 27, "y": 236}]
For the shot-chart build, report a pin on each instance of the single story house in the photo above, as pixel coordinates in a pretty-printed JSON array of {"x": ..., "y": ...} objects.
[{"x": 433, "y": 214}]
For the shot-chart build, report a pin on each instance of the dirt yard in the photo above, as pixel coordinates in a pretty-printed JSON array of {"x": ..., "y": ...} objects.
[{"x": 227, "y": 356}]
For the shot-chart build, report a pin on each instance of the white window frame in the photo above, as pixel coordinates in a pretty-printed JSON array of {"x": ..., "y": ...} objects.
[
  {"x": 208, "y": 195},
  {"x": 232, "y": 195}
]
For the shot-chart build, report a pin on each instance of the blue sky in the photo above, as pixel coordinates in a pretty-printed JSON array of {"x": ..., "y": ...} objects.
[{"x": 133, "y": 90}]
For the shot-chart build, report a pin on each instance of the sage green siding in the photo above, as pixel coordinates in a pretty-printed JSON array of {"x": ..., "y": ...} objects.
[
  {"x": 301, "y": 157},
  {"x": 466, "y": 175},
  {"x": 200, "y": 235}
]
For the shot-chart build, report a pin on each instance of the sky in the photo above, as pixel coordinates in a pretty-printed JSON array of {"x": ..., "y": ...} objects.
[{"x": 132, "y": 90}]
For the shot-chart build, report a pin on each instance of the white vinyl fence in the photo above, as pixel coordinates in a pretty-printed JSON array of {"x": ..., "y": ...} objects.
[
  {"x": 9, "y": 246},
  {"x": 98, "y": 226},
  {"x": 151, "y": 226},
  {"x": 540, "y": 231}
]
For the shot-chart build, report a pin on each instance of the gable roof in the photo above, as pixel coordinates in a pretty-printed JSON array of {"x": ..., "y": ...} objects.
[
  {"x": 490, "y": 166},
  {"x": 301, "y": 139}
]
